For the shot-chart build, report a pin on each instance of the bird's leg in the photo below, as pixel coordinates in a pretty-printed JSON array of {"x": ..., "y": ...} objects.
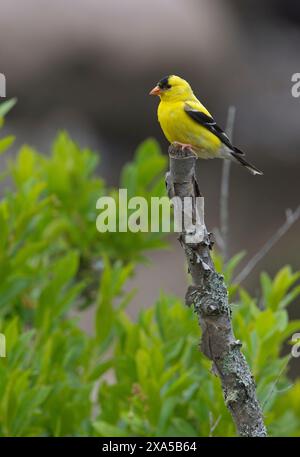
[{"x": 185, "y": 146}]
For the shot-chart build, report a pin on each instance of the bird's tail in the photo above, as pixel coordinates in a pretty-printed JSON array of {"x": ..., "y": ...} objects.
[{"x": 238, "y": 158}]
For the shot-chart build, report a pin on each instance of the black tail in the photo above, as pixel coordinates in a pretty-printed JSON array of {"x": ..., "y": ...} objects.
[{"x": 237, "y": 157}]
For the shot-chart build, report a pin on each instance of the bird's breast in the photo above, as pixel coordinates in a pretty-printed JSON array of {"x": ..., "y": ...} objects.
[{"x": 173, "y": 122}]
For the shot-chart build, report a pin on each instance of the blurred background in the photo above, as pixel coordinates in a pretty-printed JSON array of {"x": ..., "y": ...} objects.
[{"x": 88, "y": 65}]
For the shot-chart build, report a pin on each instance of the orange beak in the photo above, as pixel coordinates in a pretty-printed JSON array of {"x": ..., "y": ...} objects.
[{"x": 155, "y": 91}]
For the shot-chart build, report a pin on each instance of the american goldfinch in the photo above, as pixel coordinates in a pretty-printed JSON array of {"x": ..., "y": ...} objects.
[{"x": 185, "y": 121}]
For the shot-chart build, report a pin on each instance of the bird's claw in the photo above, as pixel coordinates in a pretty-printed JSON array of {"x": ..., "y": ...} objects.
[{"x": 184, "y": 147}]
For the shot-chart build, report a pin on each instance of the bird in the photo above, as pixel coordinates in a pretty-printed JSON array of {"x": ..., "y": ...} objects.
[{"x": 188, "y": 124}]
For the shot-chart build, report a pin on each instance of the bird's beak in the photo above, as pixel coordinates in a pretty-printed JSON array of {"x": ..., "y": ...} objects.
[{"x": 155, "y": 91}]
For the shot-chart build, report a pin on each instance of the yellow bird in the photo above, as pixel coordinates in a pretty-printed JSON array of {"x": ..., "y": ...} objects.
[{"x": 186, "y": 122}]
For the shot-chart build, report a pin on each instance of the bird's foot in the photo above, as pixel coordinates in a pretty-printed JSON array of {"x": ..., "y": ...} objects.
[{"x": 185, "y": 147}]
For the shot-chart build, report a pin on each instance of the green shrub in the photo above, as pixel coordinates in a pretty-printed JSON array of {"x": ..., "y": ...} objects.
[{"x": 144, "y": 377}]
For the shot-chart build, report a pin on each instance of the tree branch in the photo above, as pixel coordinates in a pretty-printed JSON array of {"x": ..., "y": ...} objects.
[
  {"x": 291, "y": 218},
  {"x": 210, "y": 299}
]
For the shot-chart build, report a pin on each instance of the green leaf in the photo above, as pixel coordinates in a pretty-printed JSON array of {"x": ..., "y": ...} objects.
[
  {"x": 6, "y": 142},
  {"x": 166, "y": 413},
  {"x": 183, "y": 427},
  {"x": 104, "y": 429},
  {"x": 6, "y": 106},
  {"x": 232, "y": 264}
]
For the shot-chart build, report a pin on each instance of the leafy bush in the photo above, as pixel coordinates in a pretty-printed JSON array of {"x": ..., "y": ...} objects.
[
  {"x": 163, "y": 384},
  {"x": 143, "y": 377}
]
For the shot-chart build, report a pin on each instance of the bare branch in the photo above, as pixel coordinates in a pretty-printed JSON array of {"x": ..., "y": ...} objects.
[
  {"x": 272, "y": 390},
  {"x": 209, "y": 297},
  {"x": 213, "y": 425},
  {"x": 291, "y": 218}
]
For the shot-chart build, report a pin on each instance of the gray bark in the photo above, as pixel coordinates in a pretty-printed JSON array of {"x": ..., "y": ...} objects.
[{"x": 209, "y": 296}]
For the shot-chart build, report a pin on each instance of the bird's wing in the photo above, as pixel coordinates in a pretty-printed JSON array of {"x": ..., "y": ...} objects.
[{"x": 205, "y": 120}]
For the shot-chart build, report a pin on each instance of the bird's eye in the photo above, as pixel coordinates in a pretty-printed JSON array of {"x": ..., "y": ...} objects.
[{"x": 164, "y": 84}]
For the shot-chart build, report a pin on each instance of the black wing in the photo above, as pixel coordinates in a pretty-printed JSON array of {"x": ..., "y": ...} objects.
[{"x": 210, "y": 124}]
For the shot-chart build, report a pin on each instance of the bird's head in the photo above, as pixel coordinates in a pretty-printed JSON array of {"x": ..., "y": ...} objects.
[{"x": 172, "y": 88}]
